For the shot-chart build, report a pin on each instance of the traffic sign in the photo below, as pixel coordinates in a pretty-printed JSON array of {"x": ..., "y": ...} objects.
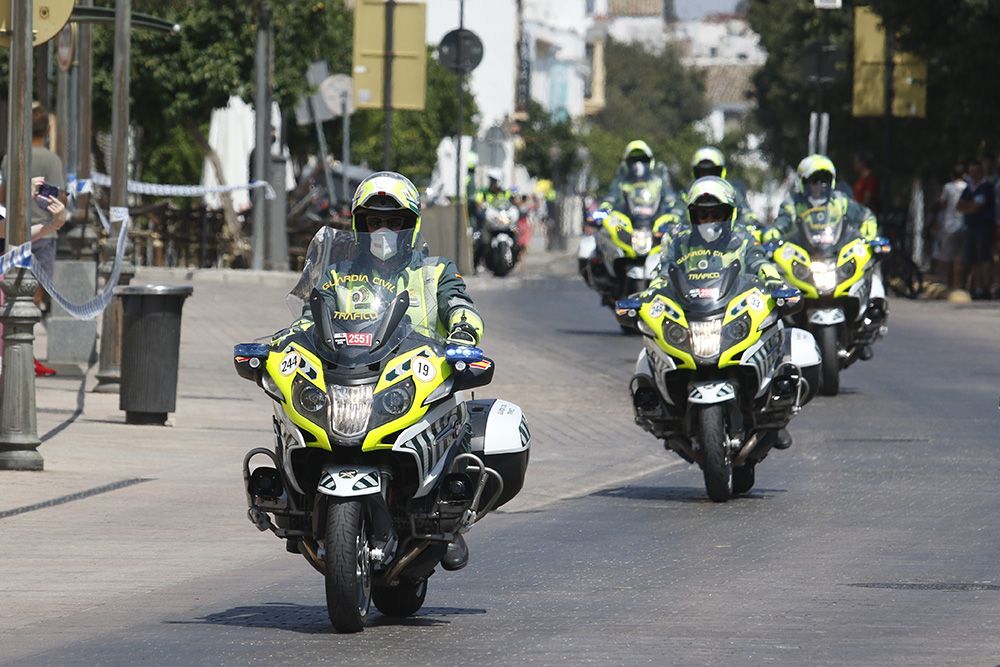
[
  {"x": 471, "y": 51},
  {"x": 334, "y": 90},
  {"x": 48, "y": 18}
]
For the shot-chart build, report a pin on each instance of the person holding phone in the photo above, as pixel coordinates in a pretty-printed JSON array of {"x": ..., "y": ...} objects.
[{"x": 50, "y": 213}]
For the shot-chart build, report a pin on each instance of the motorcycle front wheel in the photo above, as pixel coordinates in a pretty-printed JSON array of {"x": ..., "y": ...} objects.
[
  {"x": 715, "y": 464},
  {"x": 348, "y": 566},
  {"x": 503, "y": 260},
  {"x": 830, "y": 357}
]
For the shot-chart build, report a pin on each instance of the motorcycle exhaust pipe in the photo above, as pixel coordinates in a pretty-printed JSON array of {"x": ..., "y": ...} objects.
[
  {"x": 744, "y": 452},
  {"x": 407, "y": 558}
]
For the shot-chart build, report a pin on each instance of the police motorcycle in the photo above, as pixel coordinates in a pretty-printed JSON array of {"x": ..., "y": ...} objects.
[
  {"x": 616, "y": 265},
  {"x": 836, "y": 269},
  {"x": 497, "y": 243},
  {"x": 720, "y": 375},
  {"x": 379, "y": 461}
]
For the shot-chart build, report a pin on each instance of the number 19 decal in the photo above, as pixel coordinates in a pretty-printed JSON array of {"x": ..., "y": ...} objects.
[{"x": 423, "y": 370}]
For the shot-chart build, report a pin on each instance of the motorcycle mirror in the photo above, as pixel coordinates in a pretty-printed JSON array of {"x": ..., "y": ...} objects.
[
  {"x": 626, "y": 311},
  {"x": 788, "y": 299},
  {"x": 880, "y": 245},
  {"x": 770, "y": 247},
  {"x": 249, "y": 359},
  {"x": 470, "y": 374}
]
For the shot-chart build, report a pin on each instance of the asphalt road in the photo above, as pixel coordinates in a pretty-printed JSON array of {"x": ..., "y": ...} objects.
[{"x": 874, "y": 540}]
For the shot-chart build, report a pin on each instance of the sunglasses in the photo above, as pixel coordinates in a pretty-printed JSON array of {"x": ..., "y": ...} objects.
[
  {"x": 717, "y": 213},
  {"x": 393, "y": 221},
  {"x": 825, "y": 179}
]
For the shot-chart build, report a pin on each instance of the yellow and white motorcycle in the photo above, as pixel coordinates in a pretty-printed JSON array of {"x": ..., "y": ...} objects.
[
  {"x": 720, "y": 375},
  {"x": 613, "y": 259},
  {"x": 836, "y": 269},
  {"x": 379, "y": 461}
]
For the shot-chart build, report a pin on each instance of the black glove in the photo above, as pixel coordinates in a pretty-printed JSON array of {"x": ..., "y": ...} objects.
[{"x": 462, "y": 334}]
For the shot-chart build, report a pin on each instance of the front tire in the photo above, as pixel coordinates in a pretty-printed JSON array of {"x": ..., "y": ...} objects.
[
  {"x": 348, "y": 566},
  {"x": 830, "y": 385},
  {"x": 503, "y": 260},
  {"x": 715, "y": 465},
  {"x": 403, "y": 599}
]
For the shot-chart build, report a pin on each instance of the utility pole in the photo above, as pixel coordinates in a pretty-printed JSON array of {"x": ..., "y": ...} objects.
[
  {"x": 890, "y": 47},
  {"x": 390, "y": 11},
  {"x": 109, "y": 368},
  {"x": 262, "y": 116},
  {"x": 458, "y": 124},
  {"x": 18, "y": 420}
]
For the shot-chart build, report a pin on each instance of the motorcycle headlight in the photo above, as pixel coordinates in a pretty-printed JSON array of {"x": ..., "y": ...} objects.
[
  {"x": 350, "y": 409},
  {"x": 395, "y": 401},
  {"x": 800, "y": 271},
  {"x": 312, "y": 399},
  {"x": 706, "y": 338},
  {"x": 738, "y": 329},
  {"x": 824, "y": 276},
  {"x": 847, "y": 269},
  {"x": 676, "y": 335},
  {"x": 642, "y": 241}
]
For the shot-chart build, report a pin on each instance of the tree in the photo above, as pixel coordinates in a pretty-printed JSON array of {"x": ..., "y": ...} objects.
[
  {"x": 957, "y": 43},
  {"x": 549, "y": 146},
  {"x": 653, "y": 97}
]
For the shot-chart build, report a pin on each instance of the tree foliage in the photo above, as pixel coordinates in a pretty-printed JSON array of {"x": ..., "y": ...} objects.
[
  {"x": 649, "y": 96},
  {"x": 549, "y": 146},
  {"x": 957, "y": 41},
  {"x": 177, "y": 80}
]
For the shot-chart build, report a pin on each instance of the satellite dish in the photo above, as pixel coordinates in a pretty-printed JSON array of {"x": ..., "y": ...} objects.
[
  {"x": 47, "y": 19},
  {"x": 333, "y": 91}
]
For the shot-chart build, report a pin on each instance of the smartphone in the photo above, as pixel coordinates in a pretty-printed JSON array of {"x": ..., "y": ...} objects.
[{"x": 45, "y": 190}]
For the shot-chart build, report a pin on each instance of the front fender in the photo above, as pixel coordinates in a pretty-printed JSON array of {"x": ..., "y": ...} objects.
[{"x": 349, "y": 481}]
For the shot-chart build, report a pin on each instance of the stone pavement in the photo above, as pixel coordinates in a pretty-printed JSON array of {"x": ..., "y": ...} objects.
[{"x": 123, "y": 510}]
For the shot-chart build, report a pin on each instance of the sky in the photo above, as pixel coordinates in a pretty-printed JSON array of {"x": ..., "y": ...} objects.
[{"x": 694, "y": 9}]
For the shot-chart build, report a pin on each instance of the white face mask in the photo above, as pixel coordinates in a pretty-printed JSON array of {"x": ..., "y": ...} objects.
[
  {"x": 383, "y": 243},
  {"x": 710, "y": 231}
]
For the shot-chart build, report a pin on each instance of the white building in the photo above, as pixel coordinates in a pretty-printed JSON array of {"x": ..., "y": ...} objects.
[{"x": 546, "y": 49}]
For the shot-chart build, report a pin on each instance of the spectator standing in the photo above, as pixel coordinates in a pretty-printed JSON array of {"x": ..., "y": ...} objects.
[
  {"x": 46, "y": 165},
  {"x": 866, "y": 186},
  {"x": 949, "y": 241},
  {"x": 977, "y": 204}
]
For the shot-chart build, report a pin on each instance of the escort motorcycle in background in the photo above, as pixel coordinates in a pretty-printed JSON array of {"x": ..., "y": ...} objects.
[
  {"x": 613, "y": 259},
  {"x": 379, "y": 461},
  {"x": 497, "y": 243},
  {"x": 845, "y": 304},
  {"x": 720, "y": 376}
]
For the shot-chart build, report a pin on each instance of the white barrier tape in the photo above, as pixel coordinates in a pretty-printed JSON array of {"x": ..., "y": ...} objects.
[
  {"x": 100, "y": 215},
  {"x": 19, "y": 255},
  {"x": 164, "y": 190},
  {"x": 97, "y": 305}
]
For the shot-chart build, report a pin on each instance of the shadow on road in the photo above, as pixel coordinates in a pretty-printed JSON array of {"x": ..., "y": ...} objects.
[
  {"x": 313, "y": 619},
  {"x": 676, "y": 494},
  {"x": 589, "y": 332}
]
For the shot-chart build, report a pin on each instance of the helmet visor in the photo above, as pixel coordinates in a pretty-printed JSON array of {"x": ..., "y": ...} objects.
[{"x": 716, "y": 212}]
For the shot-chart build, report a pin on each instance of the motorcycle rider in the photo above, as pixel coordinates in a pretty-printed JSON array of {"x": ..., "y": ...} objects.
[
  {"x": 816, "y": 190},
  {"x": 637, "y": 166},
  {"x": 710, "y": 161},
  {"x": 386, "y": 206},
  {"x": 713, "y": 222},
  {"x": 714, "y": 225}
]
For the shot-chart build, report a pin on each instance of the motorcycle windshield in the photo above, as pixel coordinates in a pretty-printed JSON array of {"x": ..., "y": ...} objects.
[
  {"x": 643, "y": 199},
  {"x": 822, "y": 230},
  {"x": 365, "y": 296},
  {"x": 704, "y": 292}
]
